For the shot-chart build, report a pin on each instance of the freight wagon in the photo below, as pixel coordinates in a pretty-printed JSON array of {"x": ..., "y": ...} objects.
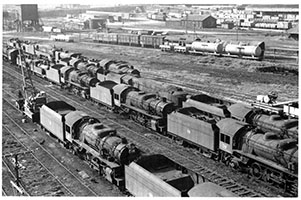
[
  {"x": 157, "y": 176},
  {"x": 234, "y": 135}
]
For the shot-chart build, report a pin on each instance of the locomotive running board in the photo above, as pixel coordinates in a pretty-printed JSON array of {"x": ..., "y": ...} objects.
[
  {"x": 267, "y": 163},
  {"x": 142, "y": 111}
]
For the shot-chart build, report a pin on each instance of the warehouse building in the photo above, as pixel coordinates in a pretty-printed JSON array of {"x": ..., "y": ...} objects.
[
  {"x": 199, "y": 21},
  {"x": 193, "y": 22}
]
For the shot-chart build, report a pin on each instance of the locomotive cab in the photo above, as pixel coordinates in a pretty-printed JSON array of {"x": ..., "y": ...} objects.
[
  {"x": 230, "y": 133},
  {"x": 72, "y": 124},
  {"x": 120, "y": 92}
]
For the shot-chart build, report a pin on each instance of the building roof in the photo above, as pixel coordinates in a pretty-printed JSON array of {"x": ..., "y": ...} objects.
[{"x": 198, "y": 17}]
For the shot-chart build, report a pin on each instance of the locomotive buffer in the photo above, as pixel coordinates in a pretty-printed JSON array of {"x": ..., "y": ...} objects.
[{"x": 29, "y": 99}]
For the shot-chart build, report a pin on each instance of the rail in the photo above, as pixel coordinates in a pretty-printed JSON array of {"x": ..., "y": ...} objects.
[{"x": 155, "y": 146}]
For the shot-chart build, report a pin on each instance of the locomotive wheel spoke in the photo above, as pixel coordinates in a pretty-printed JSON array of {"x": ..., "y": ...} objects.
[{"x": 256, "y": 171}]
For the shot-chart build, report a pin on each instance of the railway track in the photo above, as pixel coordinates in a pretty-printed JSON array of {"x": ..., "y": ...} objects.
[
  {"x": 64, "y": 165},
  {"x": 149, "y": 143},
  {"x": 7, "y": 178},
  {"x": 196, "y": 89},
  {"x": 40, "y": 165}
]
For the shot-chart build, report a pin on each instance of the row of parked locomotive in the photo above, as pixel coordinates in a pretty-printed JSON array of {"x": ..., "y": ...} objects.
[
  {"x": 120, "y": 162},
  {"x": 236, "y": 134},
  {"x": 183, "y": 44}
]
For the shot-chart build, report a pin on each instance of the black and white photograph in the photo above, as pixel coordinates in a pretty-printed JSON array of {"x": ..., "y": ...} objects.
[{"x": 150, "y": 99}]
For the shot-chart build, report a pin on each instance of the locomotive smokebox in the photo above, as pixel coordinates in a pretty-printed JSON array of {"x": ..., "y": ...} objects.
[{"x": 116, "y": 148}]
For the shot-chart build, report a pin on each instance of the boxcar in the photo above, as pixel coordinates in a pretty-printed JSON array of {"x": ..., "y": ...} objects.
[
  {"x": 151, "y": 41},
  {"x": 52, "y": 118},
  {"x": 156, "y": 175},
  {"x": 110, "y": 38},
  {"x": 103, "y": 93},
  {"x": 128, "y": 39},
  {"x": 190, "y": 124}
]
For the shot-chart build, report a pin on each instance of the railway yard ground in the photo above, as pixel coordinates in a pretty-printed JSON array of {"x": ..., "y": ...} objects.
[
  {"x": 230, "y": 78},
  {"x": 236, "y": 79}
]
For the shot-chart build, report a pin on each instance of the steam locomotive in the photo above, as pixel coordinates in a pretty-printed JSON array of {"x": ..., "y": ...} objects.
[{"x": 236, "y": 134}]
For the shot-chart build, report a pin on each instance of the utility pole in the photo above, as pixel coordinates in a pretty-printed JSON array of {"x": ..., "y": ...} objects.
[
  {"x": 237, "y": 30},
  {"x": 186, "y": 22},
  {"x": 16, "y": 184}
]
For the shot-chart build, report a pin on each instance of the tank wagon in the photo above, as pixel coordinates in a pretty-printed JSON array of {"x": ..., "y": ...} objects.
[
  {"x": 250, "y": 50},
  {"x": 222, "y": 137},
  {"x": 185, "y": 44},
  {"x": 157, "y": 176},
  {"x": 89, "y": 138},
  {"x": 207, "y": 47}
]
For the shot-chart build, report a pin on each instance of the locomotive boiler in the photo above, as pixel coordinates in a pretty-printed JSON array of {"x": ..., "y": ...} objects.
[
  {"x": 149, "y": 103},
  {"x": 82, "y": 78},
  {"x": 119, "y": 67},
  {"x": 104, "y": 140},
  {"x": 275, "y": 123},
  {"x": 170, "y": 92},
  {"x": 270, "y": 146}
]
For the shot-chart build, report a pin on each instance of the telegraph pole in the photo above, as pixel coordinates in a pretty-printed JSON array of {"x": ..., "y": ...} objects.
[
  {"x": 186, "y": 22},
  {"x": 237, "y": 30}
]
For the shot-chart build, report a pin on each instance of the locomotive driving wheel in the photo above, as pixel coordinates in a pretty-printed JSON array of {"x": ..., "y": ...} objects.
[{"x": 256, "y": 170}]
